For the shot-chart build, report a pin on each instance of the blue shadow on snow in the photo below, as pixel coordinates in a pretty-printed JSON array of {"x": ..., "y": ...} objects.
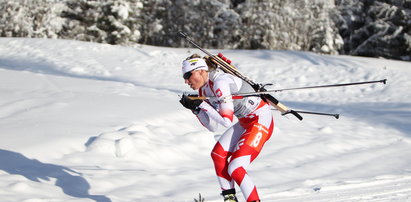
[{"x": 72, "y": 184}]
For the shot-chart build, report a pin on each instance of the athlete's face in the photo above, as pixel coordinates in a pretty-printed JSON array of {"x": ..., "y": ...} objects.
[{"x": 197, "y": 79}]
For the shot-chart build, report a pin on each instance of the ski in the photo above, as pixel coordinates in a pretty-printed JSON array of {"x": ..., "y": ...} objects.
[{"x": 226, "y": 66}]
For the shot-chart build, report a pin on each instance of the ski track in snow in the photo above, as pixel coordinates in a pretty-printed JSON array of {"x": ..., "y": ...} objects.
[{"x": 94, "y": 122}]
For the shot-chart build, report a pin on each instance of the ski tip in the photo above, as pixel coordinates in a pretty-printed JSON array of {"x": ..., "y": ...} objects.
[
  {"x": 337, "y": 116},
  {"x": 384, "y": 81}
]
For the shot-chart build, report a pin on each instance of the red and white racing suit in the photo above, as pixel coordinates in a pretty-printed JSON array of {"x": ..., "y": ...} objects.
[{"x": 241, "y": 142}]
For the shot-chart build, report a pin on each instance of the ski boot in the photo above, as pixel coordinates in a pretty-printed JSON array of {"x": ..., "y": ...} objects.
[{"x": 229, "y": 195}]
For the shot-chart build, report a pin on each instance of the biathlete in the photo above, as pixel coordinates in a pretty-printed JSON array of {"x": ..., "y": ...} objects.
[{"x": 241, "y": 143}]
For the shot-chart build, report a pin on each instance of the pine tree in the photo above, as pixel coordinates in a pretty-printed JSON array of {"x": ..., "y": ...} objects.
[
  {"x": 112, "y": 21},
  {"x": 379, "y": 28},
  {"x": 212, "y": 22},
  {"x": 289, "y": 25},
  {"x": 31, "y": 18}
]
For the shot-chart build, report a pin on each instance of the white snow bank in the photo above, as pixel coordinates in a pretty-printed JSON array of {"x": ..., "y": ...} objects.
[{"x": 93, "y": 122}]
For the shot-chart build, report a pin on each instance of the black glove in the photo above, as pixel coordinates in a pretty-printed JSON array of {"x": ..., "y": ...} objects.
[{"x": 191, "y": 104}]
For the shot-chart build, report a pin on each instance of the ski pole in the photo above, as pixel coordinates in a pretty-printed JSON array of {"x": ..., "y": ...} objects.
[
  {"x": 337, "y": 116},
  {"x": 243, "y": 95},
  {"x": 384, "y": 81}
]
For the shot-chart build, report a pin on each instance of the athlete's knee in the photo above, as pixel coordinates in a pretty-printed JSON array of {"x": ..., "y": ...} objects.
[
  {"x": 218, "y": 152},
  {"x": 238, "y": 165},
  {"x": 236, "y": 172},
  {"x": 219, "y": 157}
]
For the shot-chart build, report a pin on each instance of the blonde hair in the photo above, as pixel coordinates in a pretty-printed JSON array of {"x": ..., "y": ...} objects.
[{"x": 195, "y": 55}]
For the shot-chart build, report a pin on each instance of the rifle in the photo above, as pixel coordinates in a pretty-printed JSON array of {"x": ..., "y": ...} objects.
[{"x": 225, "y": 65}]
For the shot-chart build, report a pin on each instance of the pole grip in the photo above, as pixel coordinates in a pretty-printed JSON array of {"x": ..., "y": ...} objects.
[
  {"x": 296, "y": 114},
  {"x": 197, "y": 97}
]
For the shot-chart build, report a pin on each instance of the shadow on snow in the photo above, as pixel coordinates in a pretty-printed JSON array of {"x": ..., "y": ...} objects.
[{"x": 68, "y": 180}]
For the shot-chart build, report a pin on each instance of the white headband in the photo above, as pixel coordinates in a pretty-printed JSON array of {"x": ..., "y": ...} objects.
[{"x": 195, "y": 63}]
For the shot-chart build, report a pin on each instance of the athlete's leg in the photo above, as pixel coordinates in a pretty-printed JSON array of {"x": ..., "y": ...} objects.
[
  {"x": 258, "y": 131},
  {"x": 222, "y": 152}
]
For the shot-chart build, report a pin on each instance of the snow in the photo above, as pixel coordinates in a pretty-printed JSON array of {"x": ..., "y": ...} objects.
[{"x": 93, "y": 122}]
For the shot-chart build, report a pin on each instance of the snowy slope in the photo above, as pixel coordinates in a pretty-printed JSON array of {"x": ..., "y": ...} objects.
[{"x": 92, "y": 122}]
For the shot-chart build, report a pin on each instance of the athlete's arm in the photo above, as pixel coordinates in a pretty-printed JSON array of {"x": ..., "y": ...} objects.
[{"x": 224, "y": 113}]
